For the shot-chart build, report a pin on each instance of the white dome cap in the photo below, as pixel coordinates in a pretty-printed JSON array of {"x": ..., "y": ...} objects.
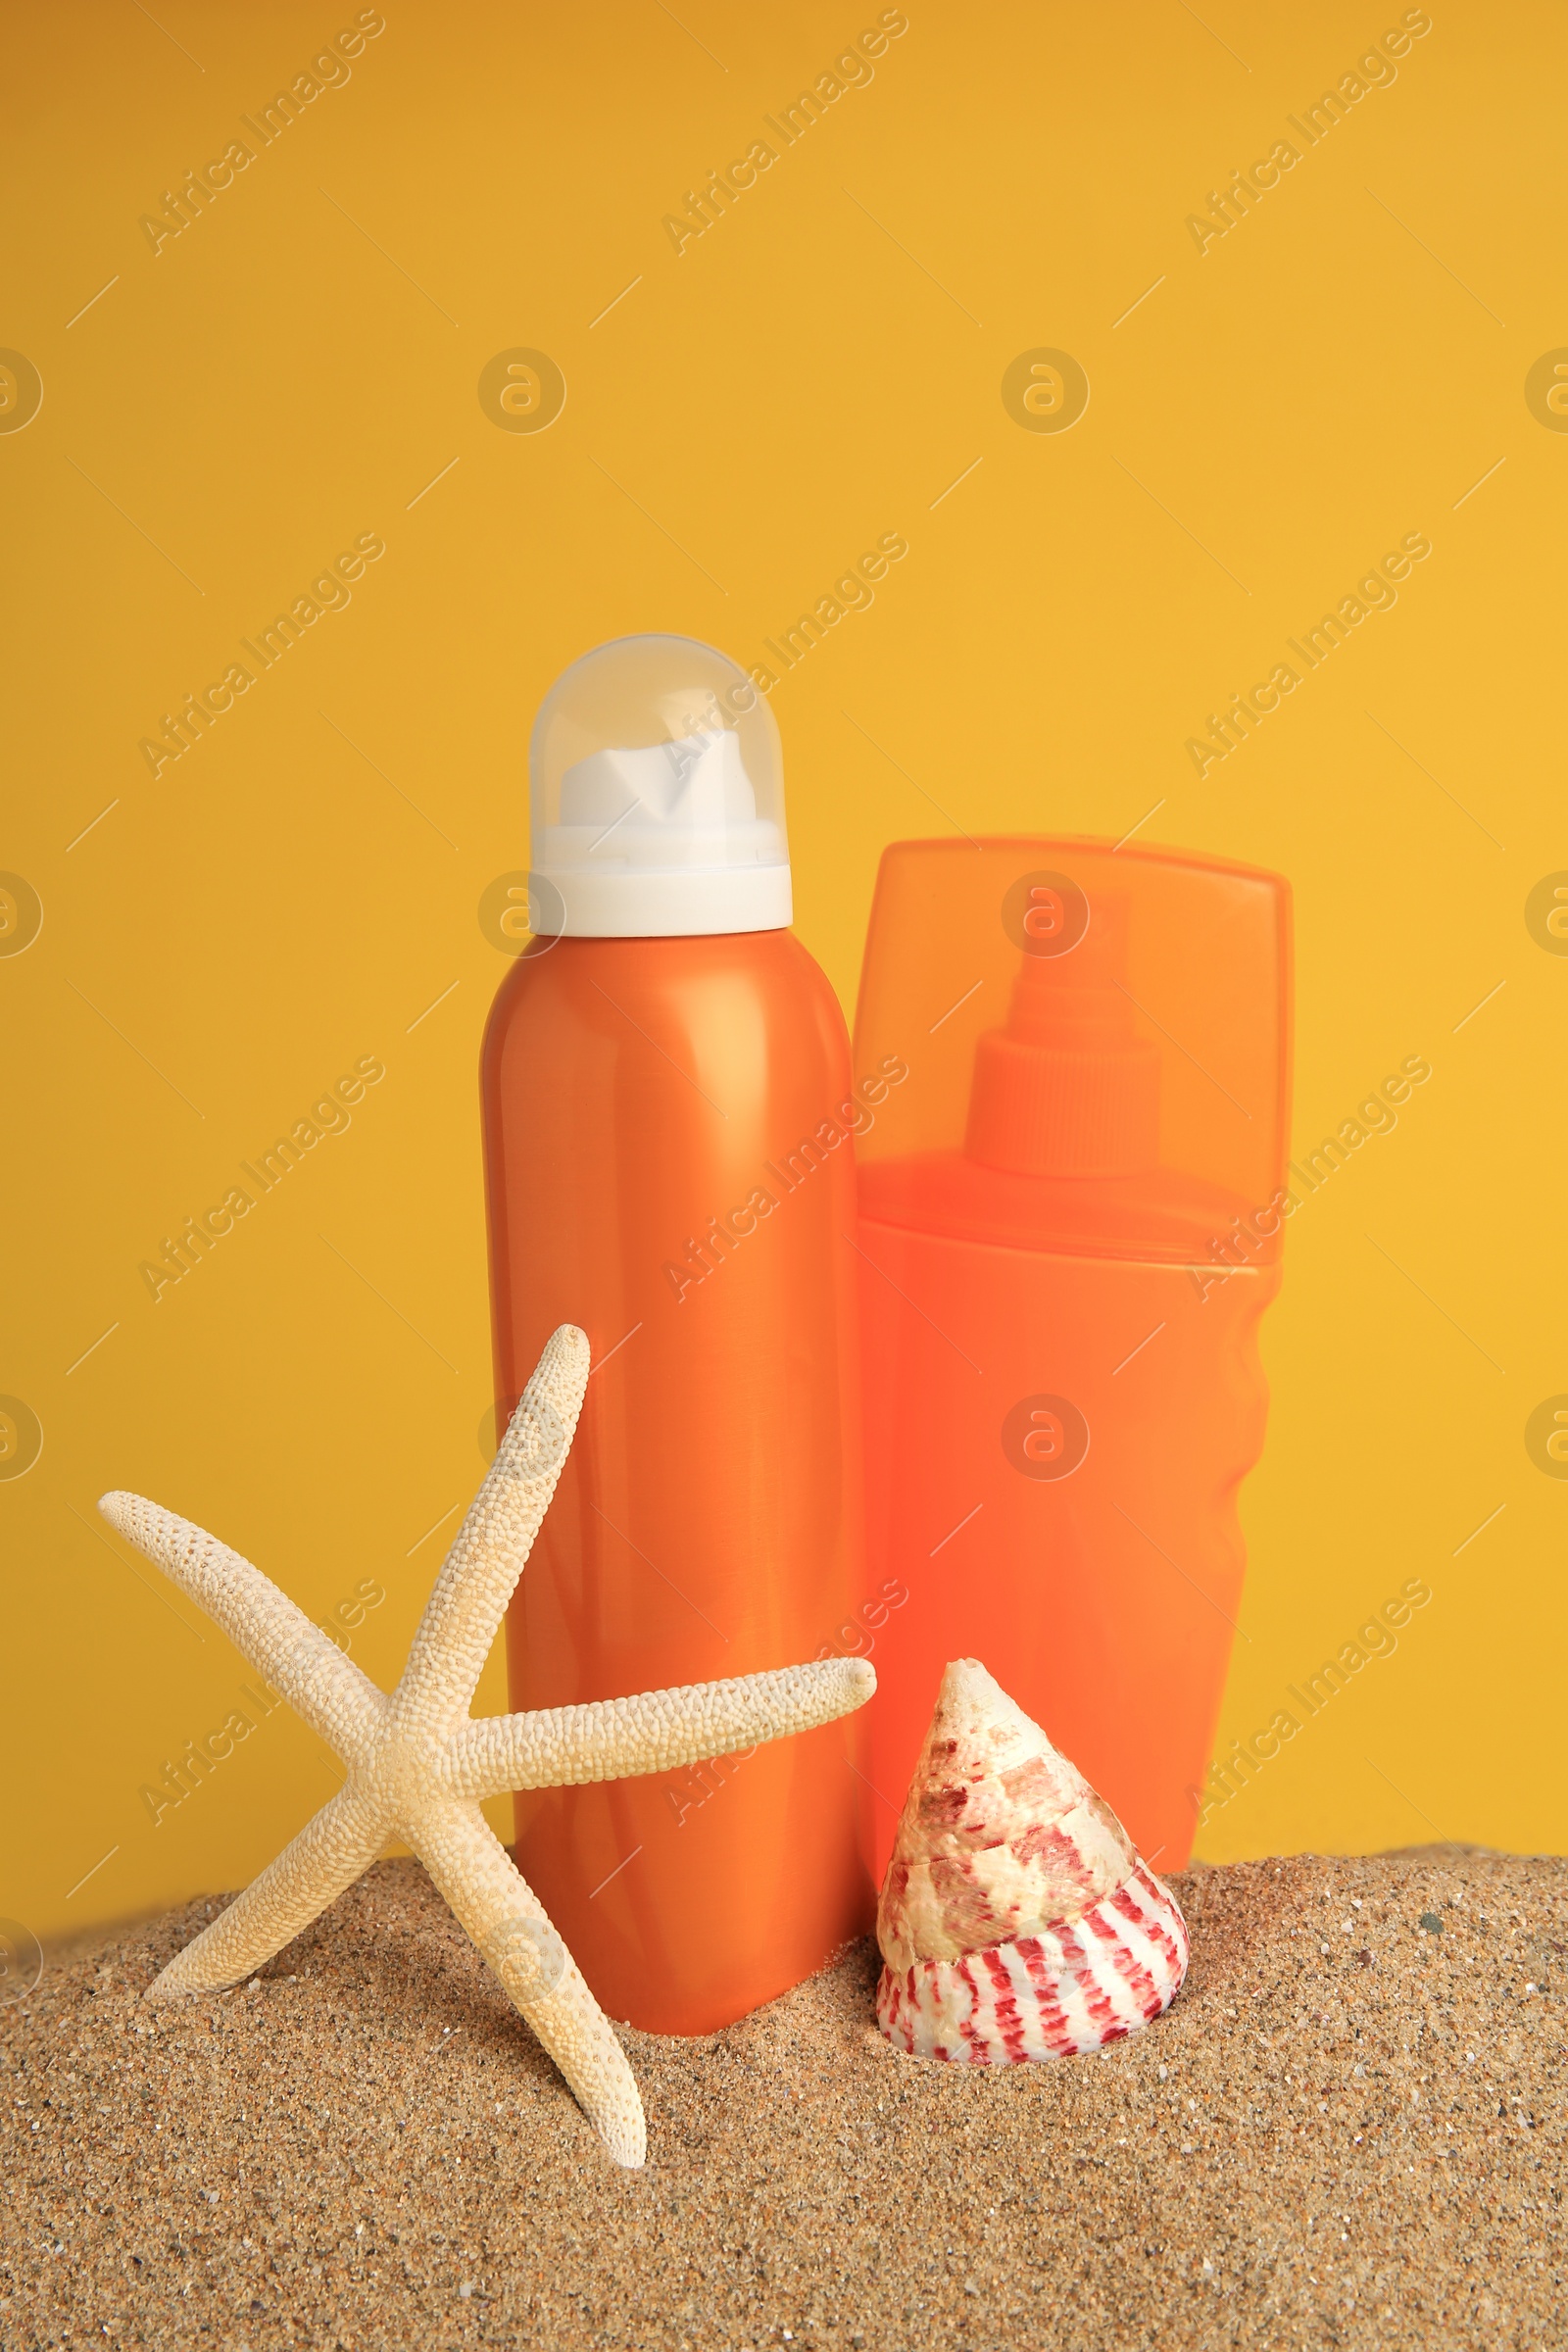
[{"x": 658, "y": 796}]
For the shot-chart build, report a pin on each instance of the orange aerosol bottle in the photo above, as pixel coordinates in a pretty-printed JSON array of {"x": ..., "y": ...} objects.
[
  {"x": 668, "y": 1120},
  {"x": 1070, "y": 1219}
]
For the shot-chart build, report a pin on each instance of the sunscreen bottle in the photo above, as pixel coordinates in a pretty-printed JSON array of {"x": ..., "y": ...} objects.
[
  {"x": 668, "y": 1121},
  {"x": 1070, "y": 1219}
]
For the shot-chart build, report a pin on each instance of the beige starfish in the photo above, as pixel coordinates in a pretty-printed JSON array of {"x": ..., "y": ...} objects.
[{"x": 418, "y": 1765}]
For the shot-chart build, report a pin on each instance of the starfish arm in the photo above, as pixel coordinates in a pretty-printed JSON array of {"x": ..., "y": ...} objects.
[
  {"x": 329, "y": 1853},
  {"x": 507, "y": 1921},
  {"x": 337, "y": 1699},
  {"x": 481, "y": 1570},
  {"x": 615, "y": 1739}
]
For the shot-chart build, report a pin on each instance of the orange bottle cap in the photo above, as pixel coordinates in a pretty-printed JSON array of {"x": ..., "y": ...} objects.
[{"x": 1098, "y": 1045}]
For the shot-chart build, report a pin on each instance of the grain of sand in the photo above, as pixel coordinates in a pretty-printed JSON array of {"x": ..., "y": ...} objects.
[{"x": 1347, "y": 2130}]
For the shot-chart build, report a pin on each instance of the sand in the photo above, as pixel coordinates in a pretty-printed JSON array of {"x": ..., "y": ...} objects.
[{"x": 1348, "y": 2130}]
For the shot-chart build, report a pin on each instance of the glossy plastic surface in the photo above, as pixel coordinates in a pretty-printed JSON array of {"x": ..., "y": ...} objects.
[
  {"x": 667, "y": 1165},
  {"x": 1070, "y": 1216},
  {"x": 657, "y": 796},
  {"x": 1105, "y": 1031},
  {"x": 1096, "y": 1562}
]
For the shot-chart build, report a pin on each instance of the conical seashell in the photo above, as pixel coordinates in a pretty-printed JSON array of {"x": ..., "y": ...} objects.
[{"x": 1017, "y": 1921}]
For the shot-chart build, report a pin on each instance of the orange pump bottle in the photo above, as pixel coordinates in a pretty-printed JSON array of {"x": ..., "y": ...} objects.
[
  {"x": 667, "y": 1116},
  {"x": 1070, "y": 1221}
]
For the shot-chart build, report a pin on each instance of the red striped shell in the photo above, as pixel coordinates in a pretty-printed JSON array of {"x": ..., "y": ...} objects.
[{"x": 1016, "y": 1922}]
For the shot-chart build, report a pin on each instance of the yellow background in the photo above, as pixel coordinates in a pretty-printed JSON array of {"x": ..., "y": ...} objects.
[{"x": 813, "y": 371}]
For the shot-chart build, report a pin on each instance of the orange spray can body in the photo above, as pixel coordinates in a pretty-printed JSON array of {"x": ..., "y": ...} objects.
[
  {"x": 670, "y": 1165},
  {"x": 1070, "y": 1226}
]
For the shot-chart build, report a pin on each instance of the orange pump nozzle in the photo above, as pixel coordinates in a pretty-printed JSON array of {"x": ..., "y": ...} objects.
[{"x": 1067, "y": 1088}]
